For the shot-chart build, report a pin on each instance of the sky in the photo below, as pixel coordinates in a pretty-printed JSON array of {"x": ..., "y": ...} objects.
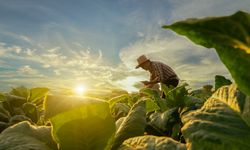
[{"x": 61, "y": 44}]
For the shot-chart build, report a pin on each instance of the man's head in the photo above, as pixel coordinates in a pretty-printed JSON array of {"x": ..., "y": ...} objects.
[{"x": 143, "y": 62}]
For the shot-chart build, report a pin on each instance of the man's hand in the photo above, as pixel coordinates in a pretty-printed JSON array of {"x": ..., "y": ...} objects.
[{"x": 148, "y": 84}]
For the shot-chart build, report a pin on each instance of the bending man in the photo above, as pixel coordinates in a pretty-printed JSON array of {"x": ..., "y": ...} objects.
[{"x": 159, "y": 72}]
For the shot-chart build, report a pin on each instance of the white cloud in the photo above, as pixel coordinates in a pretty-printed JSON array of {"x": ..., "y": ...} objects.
[
  {"x": 2, "y": 49},
  {"x": 17, "y": 49},
  {"x": 28, "y": 70},
  {"x": 25, "y": 38},
  {"x": 46, "y": 65},
  {"x": 57, "y": 72},
  {"x": 140, "y": 34},
  {"x": 30, "y": 52},
  {"x": 53, "y": 50}
]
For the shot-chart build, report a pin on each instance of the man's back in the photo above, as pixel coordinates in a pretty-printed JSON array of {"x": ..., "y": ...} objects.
[{"x": 163, "y": 71}]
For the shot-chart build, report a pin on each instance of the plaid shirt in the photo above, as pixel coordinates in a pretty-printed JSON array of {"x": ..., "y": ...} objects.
[{"x": 162, "y": 71}]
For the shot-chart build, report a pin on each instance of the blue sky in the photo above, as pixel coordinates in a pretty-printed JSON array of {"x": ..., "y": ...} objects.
[{"x": 61, "y": 43}]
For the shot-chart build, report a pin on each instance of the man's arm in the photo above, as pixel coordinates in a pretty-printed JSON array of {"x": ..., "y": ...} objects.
[{"x": 151, "y": 83}]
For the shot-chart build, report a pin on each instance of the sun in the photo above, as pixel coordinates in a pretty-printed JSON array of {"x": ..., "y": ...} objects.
[{"x": 80, "y": 89}]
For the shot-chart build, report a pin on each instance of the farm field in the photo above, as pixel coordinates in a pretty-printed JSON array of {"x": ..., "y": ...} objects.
[{"x": 212, "y": 117}]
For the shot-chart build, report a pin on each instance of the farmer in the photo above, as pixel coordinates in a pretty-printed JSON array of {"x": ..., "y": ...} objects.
[{"x": 159, "y": 73}]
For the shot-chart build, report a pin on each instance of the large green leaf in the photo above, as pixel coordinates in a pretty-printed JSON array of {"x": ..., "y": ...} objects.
[
  {"x": 80, "y": 123},
  {"x": 132, "y": 125},
  {"x": 151, "y": 105},
  {"x": 24, "y": 136},
  {"x": 152, "y": 143},
  {"x": 3, "y": 110},
  {"x": 230, "y": 36},
  {"x": 222, "y": 123},
  {"x": 2, "y": 97},
  {"x": 31, "y": 111},
  {"x": 35, "y": 94},
  {"x": 15, "y": 101},
  {"x": 118, "y": 99},
  {"x": 156, "y": 97},
  {"x": 120, "y": 110},
  {"x": 20, "y": 91},
  {"x": 164, "y": 122},
  {"x": 175, "y": 97}
]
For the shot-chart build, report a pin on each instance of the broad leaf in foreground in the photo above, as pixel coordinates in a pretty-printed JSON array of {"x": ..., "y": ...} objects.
[
  {"x": 132, "y": 125},
  {"x": 222, "y": 123},
  {"x": 152, "y": 143},
  {"x": 119, "y": 110},
  {"x": 165, "y": 121},
  {"x": 80, "y": 123},
  {"x": 230, "y": 36},
  {"x": 24, "y": 136}
]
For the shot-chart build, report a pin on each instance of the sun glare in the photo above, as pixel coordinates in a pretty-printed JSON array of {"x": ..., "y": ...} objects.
[{"x": 80, "y": 89}]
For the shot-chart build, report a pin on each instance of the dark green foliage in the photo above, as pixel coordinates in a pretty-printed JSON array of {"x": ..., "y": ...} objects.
[
  {"x": 3, "y": 125},
  {"x": 154, "y": 95},
  {"x": 14, "y": 106},
  {"x": 4, "y": 117},
  {"x": 15, "y": 101},
  {"x": 175, "y": 97},
  {"x": 18, "y": 118},
  {"x": 220, "y": 81},
  {"x": 204, "y": 93},
  {"x": 20, "y": 92},
  {"x": 31, "y": 111}
]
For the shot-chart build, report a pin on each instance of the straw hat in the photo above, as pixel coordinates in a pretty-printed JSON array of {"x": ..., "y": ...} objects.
[{"x": 141, "y": 60}]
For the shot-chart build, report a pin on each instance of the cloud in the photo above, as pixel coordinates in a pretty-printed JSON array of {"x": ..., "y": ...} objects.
[
  {"x": 46, "y": 65},
  {"x": 25, "y": 38},
  {"x": 79, "y": 66},
  {"x": 28, "y": 70},
  {"x": 9, "y": 49},
  {"x": 7, "y": 74},
  {"x": 30, "y": 52},
  {"x": 2, "y": 49}
]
